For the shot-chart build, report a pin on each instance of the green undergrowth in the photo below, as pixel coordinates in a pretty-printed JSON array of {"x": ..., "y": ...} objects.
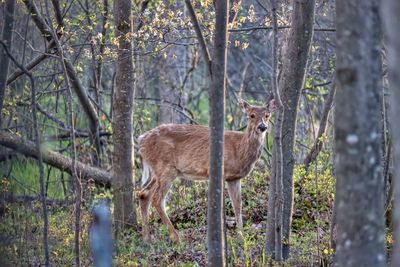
[{"x": 21, "y": 224}]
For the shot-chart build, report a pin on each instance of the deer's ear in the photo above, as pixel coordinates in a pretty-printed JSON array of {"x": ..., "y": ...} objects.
[
  {"x": 272, "y": 106},
  {"x": 244, "y": 106}
]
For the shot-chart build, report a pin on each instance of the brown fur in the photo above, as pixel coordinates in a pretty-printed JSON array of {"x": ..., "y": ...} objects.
[{"x": 173, "y": 150}]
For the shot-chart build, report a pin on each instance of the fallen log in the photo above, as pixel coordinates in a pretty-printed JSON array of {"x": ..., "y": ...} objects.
[{"x": 27, "y": 148}]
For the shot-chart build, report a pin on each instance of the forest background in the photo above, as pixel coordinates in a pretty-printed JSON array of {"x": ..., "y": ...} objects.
[{"x": 77, "y": 81}]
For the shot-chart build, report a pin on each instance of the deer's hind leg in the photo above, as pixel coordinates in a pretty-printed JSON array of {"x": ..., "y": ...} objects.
[
  {"x": 159, "y": 199},
  {"x": 145, "y": 198}
]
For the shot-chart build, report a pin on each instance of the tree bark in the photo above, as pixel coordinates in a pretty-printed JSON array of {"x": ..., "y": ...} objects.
[
  {"x": 215, "y": 215},
  {"x": 6, "y": 36},
  {"x": 290, "y": 85},
  {"x": 276, "y": 179},
  {"x": 359, "y": 187},
  {"x": 123, "y": 153},
  {"x": 391, "y": 11},
  {"x": 27, "y": 148}
]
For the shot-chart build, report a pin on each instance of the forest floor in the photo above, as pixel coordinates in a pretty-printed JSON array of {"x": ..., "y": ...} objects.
[{"x": 21, "y": 228}]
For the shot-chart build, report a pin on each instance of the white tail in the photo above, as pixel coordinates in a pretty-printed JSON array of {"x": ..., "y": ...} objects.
[
  {"x": 146, "y": 173},
  {"x": 173, "y": 150},
  {"x": 146, "y": 168}
]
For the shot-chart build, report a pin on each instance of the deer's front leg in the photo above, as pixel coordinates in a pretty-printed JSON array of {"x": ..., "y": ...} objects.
[{"x": 236, "y": 199}]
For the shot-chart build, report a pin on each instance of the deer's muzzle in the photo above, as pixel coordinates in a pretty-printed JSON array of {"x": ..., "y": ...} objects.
[{"x": 262, "y": 127}]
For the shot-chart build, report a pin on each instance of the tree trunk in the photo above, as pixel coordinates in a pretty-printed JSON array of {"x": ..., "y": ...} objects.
[
  {"x": 215, "y": 215},
  {"x": 359, "y": 188},
  {"x": 6, "y": 37},
  {"x": 290, "y": 84},
  {"x": 276, "y": 179},
  {"x": 123, "y": 153},
  {"x": 391, "y": 11}
]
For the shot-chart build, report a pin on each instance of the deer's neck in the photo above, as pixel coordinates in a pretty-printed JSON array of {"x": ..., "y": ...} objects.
[{"x": 250, "y": 146}]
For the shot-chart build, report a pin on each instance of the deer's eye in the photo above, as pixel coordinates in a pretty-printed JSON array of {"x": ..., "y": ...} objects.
[
  {"x": 267, "y": 116},
  {"x": 252, "y": 116}
]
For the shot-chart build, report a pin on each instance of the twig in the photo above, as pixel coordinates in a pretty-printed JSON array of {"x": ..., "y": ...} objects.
[
  {"x": 175, "y": 106},
  {"x": 78, "y": 134},
  {"x": 33, "y": 63},
  {"x": 256, "y": 28}
]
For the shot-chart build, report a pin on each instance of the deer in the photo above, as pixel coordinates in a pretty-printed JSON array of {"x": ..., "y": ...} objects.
[{"x": 177, "y": 150}]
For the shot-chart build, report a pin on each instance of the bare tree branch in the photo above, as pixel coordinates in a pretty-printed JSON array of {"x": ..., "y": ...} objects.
[
  {"x": 255, "y": 28},
  {"x": 200, "y": 37},
  {"x": 55, "y": 159},
  {"x": 33, "y": 63},
  {"x": 71, "y": 73}
]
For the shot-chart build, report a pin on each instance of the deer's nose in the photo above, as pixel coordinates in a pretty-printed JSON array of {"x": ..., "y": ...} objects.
[{"x": 262, "y": 127}]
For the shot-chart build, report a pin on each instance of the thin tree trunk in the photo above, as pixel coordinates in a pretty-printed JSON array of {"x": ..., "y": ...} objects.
[
  {"x": 359, "y": 190},
  {"x": 278, "y": 173},
  {"x": 6, "y": 36},
  {"x": 39, "y": 156},
  {"x": 317, "y": 147},
  {"x": 99, "y": 65},
  {"x": 41, "y": 173},
  {"x": 215, "y": 215},
  {"x": 69, "y": 111},
  {"x": 200, "y": 37},
  {"x": 123, "y": 153},
  {"x": 391, "y": 11},
  {"x": 290, "y": 85}
]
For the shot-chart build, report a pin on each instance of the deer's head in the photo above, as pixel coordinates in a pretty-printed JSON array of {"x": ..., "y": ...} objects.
[{"x": 258, "y": 115}]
